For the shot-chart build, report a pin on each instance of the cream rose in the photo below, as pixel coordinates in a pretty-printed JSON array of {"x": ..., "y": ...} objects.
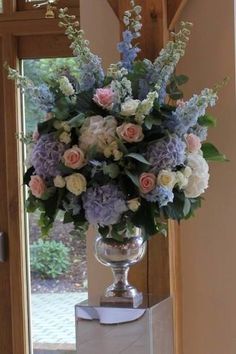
[
  {"x": 76, "y": 183},
  {"x": 59, "y": 182},
  {"x": 65, "y": 138},
  {"x": 129, "y": 107},
  {"x": 132, "y": 133},
  {"x": 166, "y": 179},
  {"x": 147, "y": 182},
  {"x": 133, "y": 204},
  {"x": 198, "y": 180},
  {"x": 37, "y": 186},
  {"x": 74, "y": 157}
]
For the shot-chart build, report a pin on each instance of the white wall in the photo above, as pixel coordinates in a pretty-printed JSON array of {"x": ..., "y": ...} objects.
[{"x": 209, "y": 240}]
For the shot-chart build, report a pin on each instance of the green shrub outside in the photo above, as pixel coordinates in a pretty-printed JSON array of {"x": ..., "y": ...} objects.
[{"x": 49, "y": 259}]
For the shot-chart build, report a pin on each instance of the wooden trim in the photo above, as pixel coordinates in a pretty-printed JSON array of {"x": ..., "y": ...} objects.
[
  {"x": 176, "y": 283},
  {"x": 5, "y": 291},
  {"x": 18, "y": 31},
  {"x": 16, "y": 242}
]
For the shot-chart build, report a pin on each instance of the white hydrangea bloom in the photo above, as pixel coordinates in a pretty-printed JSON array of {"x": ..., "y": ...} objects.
[
  {"x": 198, "y": 180},
  {"x": 97, "y": 131}
]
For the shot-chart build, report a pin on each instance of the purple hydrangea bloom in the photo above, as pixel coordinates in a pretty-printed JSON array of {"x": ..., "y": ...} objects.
[
  {"x": 91, "y": 73},
  {"x": 46, "y": 156},
  {"x": 167, "y": 153},
  {"x": 104, "y": 205},
  {"x": 129, "y": 53},
  {"x": 161, "y": 195}
]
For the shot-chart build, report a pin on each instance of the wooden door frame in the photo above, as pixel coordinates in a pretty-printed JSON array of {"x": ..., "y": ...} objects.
[{"x": 17, "y": 30}]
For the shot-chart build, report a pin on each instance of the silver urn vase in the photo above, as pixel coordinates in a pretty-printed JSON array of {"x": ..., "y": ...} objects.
[{"x": 120, "y": 256}]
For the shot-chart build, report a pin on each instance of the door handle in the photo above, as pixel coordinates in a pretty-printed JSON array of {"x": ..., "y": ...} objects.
[{"x": 3, "y": 247}]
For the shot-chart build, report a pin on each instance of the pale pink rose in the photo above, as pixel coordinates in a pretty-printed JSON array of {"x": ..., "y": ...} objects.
[
  {"x": 180, "y": 103},
  {"x": 37, "y": 186},
  {"x": 132, "y": 133},
  {"x": 74, "y": 157},
  {"x": 36, "y": 135},
  {"x": 193, "y": 143},
  {"x": 104, "y": 97},
  {"x": 147, "y": 182}
]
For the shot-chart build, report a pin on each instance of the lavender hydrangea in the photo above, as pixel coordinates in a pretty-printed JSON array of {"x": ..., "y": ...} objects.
[
  {"x": 186, "y": 115},
  {"x": 91, "y": 73},
  {"x": 161, "y": 195},
  {"x": 46, "y": 156},
  {"x": 104, "y": 205},
  {"x": 44, "y": 98},
  {"x": 167, "y": 153}
]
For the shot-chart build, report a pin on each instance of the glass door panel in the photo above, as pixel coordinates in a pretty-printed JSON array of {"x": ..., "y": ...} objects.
[{"x": 53, "y": 289}]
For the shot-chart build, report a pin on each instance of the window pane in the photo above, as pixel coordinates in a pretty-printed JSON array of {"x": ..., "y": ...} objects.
[
  {"x": 1, "y": 6},
  {"x": 53, "y": 295}
]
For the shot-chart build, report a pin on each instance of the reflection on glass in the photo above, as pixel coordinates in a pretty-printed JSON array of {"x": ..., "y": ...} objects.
[{"x": 53, "y": 295}]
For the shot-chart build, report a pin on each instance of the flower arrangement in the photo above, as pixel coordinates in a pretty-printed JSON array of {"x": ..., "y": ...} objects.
[{"x": 120, "y": 149}]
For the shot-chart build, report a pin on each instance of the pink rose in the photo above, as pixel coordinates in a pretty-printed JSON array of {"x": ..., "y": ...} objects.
[
  {"x": 104, "y": 97},
  {"x": 37, "y": 186},
  {"x": 147, "y": 182},
  {"x": 180, "y": 103},
  {"x": 132, "y": 133},
  {"x": 193, "y": 143},
  {"x": 74, "y": 157},
  {"x": 36, "y": 135}
]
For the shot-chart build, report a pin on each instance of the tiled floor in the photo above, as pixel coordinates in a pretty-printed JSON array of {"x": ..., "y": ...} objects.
[{"x": 53, "y": 319}]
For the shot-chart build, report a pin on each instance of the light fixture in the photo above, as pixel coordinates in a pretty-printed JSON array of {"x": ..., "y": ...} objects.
[{"x": 50, "y": 8}]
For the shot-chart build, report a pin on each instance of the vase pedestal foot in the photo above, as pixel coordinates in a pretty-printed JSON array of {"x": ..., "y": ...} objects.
[{"x": 124, "y": 301}]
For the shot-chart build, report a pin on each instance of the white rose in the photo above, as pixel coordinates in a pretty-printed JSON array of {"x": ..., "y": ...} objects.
[
  {"x": 166, "y": 179},
  {"x": 76, "y": 183},
  {"x": 59, "y": 182},
  {"x": 198, "y": 181},
  {"x": 181, "y": 179},
  {"x": 133, "y": 204},
  {"x": 129, "y": 107}
]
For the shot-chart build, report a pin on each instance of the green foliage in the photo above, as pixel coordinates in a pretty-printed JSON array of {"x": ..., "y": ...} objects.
[
  {"x": 211, "y": 153},
  {"x": 207, "y": 121},
  {"x": 173, "y": 88},
  {"x": 41, "y": 71},
  {"x": 49, "y": 258}
]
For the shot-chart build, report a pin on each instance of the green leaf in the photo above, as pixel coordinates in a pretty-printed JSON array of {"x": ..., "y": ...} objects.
[
  {"x": 181, "y": 79},
  {"x": 77, "y": 121},
  {"x": 187, "y": 207},
  {"x": 28, "y": 175},
  {"x": 145, "y": 218},
  {"x": 134, "y": 178},
  {"x": 46, "y": 127},
  {"x": 211, "y": 153},
  {"x": 139, "y": 158},
  {"x": 49, "y": 193},
  {"x": 122, "y": 147},
  {"x": 207, "y": 121},
  {"x": 111, "y": 170},
  {"x": 103, "y": 230}
]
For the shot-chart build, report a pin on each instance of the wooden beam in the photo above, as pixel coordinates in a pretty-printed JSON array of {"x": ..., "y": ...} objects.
[{"x": 174, "y": 10}]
